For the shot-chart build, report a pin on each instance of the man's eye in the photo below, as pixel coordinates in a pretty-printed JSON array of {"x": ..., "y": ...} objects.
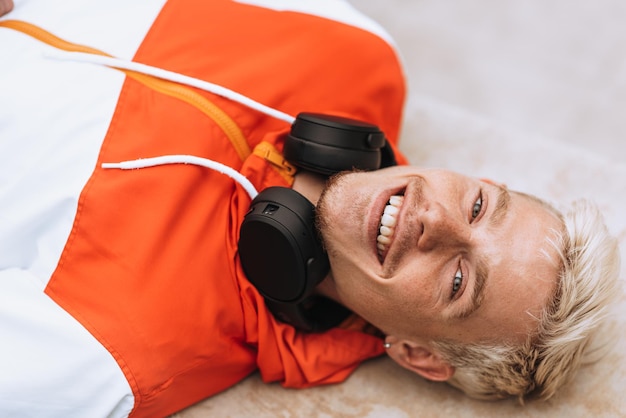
[
  {"x": 457, "y": 282},
  {"x": 478, "y": 205}
]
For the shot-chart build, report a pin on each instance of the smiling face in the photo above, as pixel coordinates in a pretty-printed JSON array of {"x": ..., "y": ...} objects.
[{"x": 462, "y": 259}]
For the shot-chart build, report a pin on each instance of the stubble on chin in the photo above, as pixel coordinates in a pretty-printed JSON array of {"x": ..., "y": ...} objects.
[{"x": 325, "y": 205}]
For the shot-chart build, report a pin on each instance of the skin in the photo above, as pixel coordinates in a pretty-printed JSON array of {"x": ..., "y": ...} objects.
[
  {"x": 5, "y": 6},
  {"x": 442, "y": 226}
]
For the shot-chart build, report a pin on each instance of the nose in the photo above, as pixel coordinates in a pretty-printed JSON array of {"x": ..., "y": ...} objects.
[{"x": 442, "y": 229}]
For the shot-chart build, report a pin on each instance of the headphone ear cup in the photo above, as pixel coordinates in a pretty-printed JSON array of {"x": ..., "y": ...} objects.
[
  {"x": 328, "y": 144},
  {"x": 279, "y": 248}
]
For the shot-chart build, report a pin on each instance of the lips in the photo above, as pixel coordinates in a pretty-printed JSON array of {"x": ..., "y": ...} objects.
[{"x": 387, "y": 225}]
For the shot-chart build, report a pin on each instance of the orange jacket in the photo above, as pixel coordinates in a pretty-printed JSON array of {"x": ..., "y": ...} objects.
[{"x": 150, "y": 267}]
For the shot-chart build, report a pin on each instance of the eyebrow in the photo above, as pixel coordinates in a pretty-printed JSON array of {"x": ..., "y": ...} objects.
[
  {"x": 482, "y": 268},
  {"x": 502, "y": 207}
]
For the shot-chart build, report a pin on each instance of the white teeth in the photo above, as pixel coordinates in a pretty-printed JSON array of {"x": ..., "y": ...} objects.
[
  {"x": 382, "y": 239},
  {"x": 386, "y": 231},
  {"x": 388, "y": 222},
  {"x": 396, "y": 200}
]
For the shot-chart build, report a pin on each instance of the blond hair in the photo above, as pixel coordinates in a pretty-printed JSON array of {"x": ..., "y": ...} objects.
[{"x": 550, "y": 357}]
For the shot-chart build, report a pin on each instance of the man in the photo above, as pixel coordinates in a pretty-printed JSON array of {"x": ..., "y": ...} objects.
[
  {"x": 495, "y": 289},
  {"x": 135, "y": 275}
]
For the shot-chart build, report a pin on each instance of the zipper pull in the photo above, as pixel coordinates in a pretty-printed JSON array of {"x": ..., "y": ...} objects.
[{"x": 270, "y": 154}]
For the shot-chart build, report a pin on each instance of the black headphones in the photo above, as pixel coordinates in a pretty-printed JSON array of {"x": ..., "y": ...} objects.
[{"x": 279, "y": 245}]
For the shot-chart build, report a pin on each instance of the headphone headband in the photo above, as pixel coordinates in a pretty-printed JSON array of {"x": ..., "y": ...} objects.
[{"x": 328, "y": 144}]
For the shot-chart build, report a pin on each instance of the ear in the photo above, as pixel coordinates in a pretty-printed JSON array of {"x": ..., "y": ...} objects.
[{"x": 419, "y": 358}]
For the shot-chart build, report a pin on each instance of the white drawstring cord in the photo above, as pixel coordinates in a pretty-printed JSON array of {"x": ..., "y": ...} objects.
[
  {"x": 185, "y": 80},
  {"x": 170, "y": 76},
  {"x": 186, "y": 159}
]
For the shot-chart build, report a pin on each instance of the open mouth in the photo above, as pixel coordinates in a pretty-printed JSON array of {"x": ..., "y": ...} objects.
[{"x": 388, "y": 223}]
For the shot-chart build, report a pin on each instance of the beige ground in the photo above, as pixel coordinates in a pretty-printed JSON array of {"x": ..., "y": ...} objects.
[{"x": 532, "y": 93}]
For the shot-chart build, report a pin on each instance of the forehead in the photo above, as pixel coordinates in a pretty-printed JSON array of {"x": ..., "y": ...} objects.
[{"x": 523, "y": 270}]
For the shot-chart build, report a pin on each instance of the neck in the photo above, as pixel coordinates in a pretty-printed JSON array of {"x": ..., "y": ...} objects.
[{"x": 309, "y": 185}]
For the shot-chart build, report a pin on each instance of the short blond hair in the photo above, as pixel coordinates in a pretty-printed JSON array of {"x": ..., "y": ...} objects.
[{"x": 550, "y": 357}]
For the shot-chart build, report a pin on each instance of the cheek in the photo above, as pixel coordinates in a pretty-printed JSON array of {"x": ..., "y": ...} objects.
[
  {"x": 417, "y": 301},
  {"x": 359, "y": 294},
  {"x": 412, "y": 298},
  {"x": 369, "y": 296},
  {"x": 419, "y": 280}
]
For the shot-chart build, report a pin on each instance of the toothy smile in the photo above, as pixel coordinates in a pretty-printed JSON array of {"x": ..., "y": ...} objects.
[{"x": 388, "y": 222}]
